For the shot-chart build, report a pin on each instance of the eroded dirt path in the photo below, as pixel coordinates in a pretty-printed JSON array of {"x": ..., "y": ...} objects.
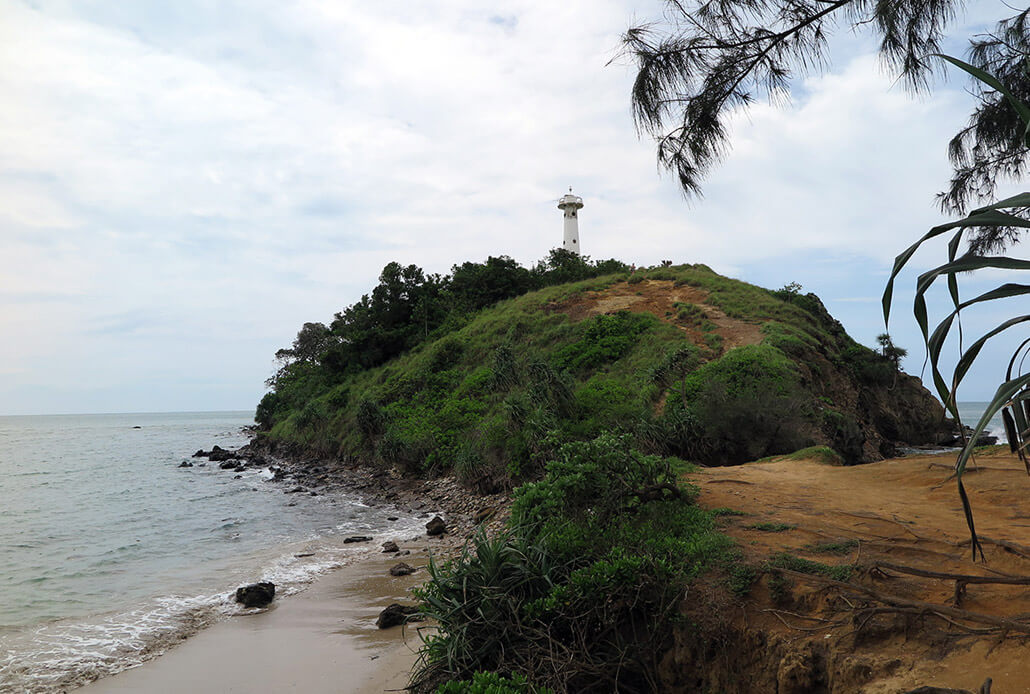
[
  {"x": 659, "y": 298},
  {"x": 905, "y": 512}
]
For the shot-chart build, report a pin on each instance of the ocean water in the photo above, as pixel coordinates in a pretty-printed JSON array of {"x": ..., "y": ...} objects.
[
  {"x": 971, "y": 413},
  {"x": 110, "y": 553}
]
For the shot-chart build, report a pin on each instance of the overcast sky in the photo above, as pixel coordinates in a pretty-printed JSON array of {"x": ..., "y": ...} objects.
[{"x": 182, "y": 185}]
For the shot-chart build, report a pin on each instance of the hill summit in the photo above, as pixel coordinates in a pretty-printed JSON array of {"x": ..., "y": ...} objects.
[{"x": 689, "y": 363}]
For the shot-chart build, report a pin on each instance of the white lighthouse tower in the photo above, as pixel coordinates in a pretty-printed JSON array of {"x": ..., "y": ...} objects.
[{"x": 570, "y": 204}]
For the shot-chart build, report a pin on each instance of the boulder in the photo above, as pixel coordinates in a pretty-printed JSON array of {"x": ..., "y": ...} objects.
[
  {"x": 396, "y": 614},
  {"x": 436, "y": 526},
  {"x": 357, "y": 538},
  {"x": 227, "y": 465},
  {"x": 402, "y": 569},
  {"x": 390, "y": 546},
  {"x": 256, "y": 594},
  {"x": 200, "y": 454},
  {"x": 185, "y": 463},
  {"x": 218, "y": 454}
]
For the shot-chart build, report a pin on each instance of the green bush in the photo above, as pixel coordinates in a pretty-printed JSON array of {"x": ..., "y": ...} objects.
[
  {"x": 751, "y": 389},
  {"x": 492, "y": 683},
  {"x": 607, "y": 338},
  {"x": 605, "y": 520}
]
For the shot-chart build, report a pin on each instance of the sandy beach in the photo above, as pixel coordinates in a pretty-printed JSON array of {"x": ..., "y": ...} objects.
[{"x": 322, "y": 640}]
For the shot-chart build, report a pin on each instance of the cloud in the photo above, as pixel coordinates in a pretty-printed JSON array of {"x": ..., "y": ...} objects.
[{"x": 190, "y": 182}]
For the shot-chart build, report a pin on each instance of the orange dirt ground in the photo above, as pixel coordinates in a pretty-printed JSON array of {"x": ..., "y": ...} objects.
[
  {"x": 906, "y": 512},
  {"x": 658, "y": 297}
]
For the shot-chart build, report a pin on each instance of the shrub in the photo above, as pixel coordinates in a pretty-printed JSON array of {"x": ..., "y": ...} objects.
[
  {"x": 370, "y": 419},
  {"x": 752, "y": 389},
  {"x": 607, "y": 338},
  {"x": 267, "y": 410},
  {"x": 605, "y": 520},
  {"x": 492, "y": 683}
]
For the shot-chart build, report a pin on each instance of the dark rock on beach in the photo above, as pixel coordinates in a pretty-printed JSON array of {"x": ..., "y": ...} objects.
[
  {"x": 256, "y": 594},
  {"x": 357, "y": 538},
  {"x": 390, "y": 546},
  {"x": 401, "y": 569},
  {"x": 396, "y": 614},
  {"x": 185, "y": 463},
  {"x": 436, "y": 526}
]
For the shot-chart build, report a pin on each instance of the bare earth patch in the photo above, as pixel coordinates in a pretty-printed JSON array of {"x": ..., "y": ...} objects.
[
  {"x": 658, "y": 297},
  {"x": 906, "y": 621}
]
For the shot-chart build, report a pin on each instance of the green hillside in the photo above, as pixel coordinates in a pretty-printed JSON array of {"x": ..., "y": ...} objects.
[{"x": 686, "y": 362}]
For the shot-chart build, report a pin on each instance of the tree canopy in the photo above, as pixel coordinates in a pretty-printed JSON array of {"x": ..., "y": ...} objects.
[{"x": 704, "y": 59}]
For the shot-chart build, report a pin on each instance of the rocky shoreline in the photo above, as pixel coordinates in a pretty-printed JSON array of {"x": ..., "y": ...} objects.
[{"x": 463, "y": 511}]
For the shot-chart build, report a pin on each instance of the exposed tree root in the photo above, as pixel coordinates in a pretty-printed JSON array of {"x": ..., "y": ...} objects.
[
  {"x": 1015, "y": 548},
  {"x": 961, "y": 580},
  {"x": 999, "y": 624}
]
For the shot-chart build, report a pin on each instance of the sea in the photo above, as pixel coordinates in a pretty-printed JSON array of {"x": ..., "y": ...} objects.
[
  {"x": 110, "y": 553},
  {"x": 970, "y": 412}
]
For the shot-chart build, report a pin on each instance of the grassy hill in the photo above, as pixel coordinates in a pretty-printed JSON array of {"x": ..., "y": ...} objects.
[{"x": 685, "y": 361}]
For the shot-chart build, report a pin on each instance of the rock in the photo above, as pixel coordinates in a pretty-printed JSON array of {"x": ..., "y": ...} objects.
[
  {"x": 256, "y": 594},
  {"x": 401, "y": 569},
  {"x": 185, "y": 463},
  {"x": 396, "y": 614},
  {"x": 295, "y": 490},
  {"x": 483, "y": 514},
  {"x": 228, "y": 465},
  {"x": 304, "y": 554},
  {"x": 237, "y": 477},
  {"x": 436, "y": 526},
  {"x": 393, "y": 518},
  {"x": 313, "y": 493},
  {"x": 390, "y": 546},
  {"x": 357, "y": 538},
  {"x": 985, "y": 439},
  {"x": 201, "y": 454},
  {"x": 137, "y": 427},
  {"x": 218, "y": 454}
]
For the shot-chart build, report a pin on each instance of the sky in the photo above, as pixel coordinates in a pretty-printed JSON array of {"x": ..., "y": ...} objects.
[{"x": 183, "y": 185}]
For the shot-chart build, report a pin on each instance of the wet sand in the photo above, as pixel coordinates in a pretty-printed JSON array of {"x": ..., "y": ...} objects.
[{"x": 319, "y": 641}]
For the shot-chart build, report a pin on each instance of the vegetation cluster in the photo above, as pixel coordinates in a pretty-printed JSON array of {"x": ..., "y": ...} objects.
[
  {"x": 583, "y": 591},
  {"x": 494, "y": 387}
]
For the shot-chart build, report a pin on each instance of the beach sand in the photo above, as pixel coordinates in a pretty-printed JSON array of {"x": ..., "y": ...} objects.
[{"x": 321, "y": 640}]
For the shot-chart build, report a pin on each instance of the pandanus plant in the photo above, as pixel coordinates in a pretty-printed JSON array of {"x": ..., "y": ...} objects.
[{"x": 1012, "y": 397}]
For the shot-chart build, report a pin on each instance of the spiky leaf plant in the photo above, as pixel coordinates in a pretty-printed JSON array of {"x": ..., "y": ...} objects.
[{"x": 1012, "y": 397}]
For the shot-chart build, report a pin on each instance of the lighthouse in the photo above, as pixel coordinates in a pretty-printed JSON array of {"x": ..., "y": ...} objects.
[{"x": 570, "y": 204}]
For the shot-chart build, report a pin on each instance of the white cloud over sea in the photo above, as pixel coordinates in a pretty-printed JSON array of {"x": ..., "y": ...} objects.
[{"x": 182, "y": 185}]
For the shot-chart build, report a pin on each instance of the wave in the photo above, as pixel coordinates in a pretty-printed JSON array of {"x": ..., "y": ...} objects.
[{"x": 62, "y": 655}]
